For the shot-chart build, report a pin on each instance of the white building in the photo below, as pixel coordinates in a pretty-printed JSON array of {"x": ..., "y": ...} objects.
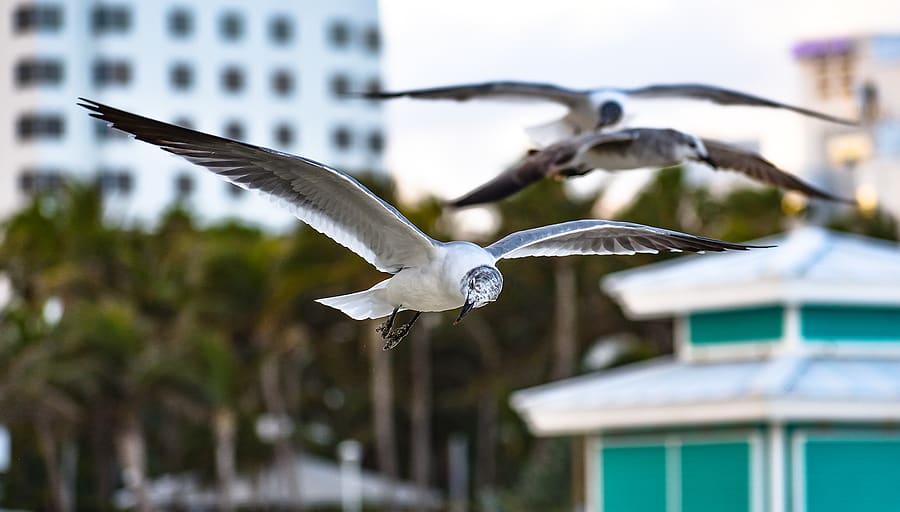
[
  {"x": 269, "y": 72},
  {"x": 856, "y": 77}
]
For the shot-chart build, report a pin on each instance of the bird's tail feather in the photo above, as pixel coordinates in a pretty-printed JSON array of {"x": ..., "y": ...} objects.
[{"x": 361, "y": 305}]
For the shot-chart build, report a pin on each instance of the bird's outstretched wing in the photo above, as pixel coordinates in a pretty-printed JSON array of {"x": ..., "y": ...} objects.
[
  {"x": 750, "y": 164},
  {"x": 490, "y": 90},
  {"x": 602, "y": 237},
  {"x": 538, "y": 165},
  {"x": 723, "y": 96},
  {"x": 327, "y": 199}
]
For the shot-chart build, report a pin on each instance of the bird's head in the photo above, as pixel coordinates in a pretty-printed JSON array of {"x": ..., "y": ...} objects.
[
  {"x": 609, "y": 113},
  {"x": 480, "y": 286},
  {"x": 693, "y": 148}
]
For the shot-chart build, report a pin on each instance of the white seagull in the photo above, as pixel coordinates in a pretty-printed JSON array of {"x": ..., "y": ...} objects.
[
  {"x": 634, "y": 148},
  {"x": 428, "y": 275},
  {"x": 592, "y": 109}
]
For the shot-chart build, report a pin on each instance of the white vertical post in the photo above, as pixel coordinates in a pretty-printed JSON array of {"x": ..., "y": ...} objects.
[
  {"x": 776, "y": 468},
  {"x": 458, "y": 470},
  {"x": 350, "y": 453}
]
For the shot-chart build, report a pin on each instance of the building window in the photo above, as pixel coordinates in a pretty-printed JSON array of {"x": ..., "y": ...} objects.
[
  {"x": 340, "y": 85},
  {"x": 115, "y": 181},
  {"x": 40, "y": 126},
  {"x": 375, "y": 141},
  {"x": 284, "y": 134},
  {"x": 110, "y": 18},
  {"x": 235, "y": 130},
  {"x": 282, "y": 82},
  {"x": 234, "y": 191},
  {"x": 231, "y": 25},
  {"x": 281, "y": 30},
  {"x": 339, "y": 34},
  {"x": 40, "y": 181},
  {"x": 184, "y": 122},
  {"x": 181, "y": 76},
  {"x": 181, "y": 22},
  {"x": 31, "y": 72},
  {"x": 233, "y": 79},
  {"x": 184, "y": 186},
  {"x": 112, "y": 72},
  {"x": 37, "y": 18},
  {"x": 372, "y": 39},
  {"x": 342, "y": 138}
]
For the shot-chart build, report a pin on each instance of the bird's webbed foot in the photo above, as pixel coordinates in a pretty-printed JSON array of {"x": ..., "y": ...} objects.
[{"x": 394, "y": 337}]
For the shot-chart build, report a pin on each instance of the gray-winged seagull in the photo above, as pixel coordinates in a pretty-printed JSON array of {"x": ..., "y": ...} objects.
[
  {"x": 428, "y": 275},
  {"x": 631, "y": 149},
  {"x": 592, "y": 109}
]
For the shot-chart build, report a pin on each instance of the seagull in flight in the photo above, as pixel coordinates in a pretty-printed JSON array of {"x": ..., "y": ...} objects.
[
  {"x": 631, "y": 149},
  {"x": 592, "y": 109},
  {"x": 428, "y": 275}
]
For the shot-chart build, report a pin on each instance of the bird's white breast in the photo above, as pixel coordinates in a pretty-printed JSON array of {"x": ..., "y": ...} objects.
[{"x": 437, "y": 285}]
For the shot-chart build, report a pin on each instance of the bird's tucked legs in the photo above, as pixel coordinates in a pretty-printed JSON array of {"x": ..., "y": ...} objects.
[
  {"x": 393, "y": 338},
  {"x": 385, "y": 328}
]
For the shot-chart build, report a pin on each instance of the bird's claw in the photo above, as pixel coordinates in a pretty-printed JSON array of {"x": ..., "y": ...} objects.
[{"x": 393, "y": 339}]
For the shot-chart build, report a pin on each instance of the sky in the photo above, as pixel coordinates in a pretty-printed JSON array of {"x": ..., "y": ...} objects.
[{"x": 447, "y": 148}]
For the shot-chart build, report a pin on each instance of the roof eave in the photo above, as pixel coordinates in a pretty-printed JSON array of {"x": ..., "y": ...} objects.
[{"x": 549, "y": 422}]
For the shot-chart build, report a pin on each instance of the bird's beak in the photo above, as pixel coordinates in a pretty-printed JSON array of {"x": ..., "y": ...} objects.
[
  {"x": 709, "y": 161},
  {"x": 465, "y": 310}
]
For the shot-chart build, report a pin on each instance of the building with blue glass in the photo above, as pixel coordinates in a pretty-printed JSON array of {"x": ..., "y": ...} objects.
[{"x": 783, "y": 394}]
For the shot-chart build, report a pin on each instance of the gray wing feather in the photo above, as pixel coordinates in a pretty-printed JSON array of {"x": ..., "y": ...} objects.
[
  {"x": 755, "y": 166},
  {"x": 602, "y": 237},
  {"x": 507, "y": 89},
  {"x": 327, "y": 199},
  {"x": 724, "y": 96}
]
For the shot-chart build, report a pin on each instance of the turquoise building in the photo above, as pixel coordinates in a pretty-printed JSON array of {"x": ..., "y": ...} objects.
[{"x": 783, "y": 394}]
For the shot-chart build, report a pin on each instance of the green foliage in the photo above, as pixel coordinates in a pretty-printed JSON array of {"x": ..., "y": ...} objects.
[{"x": 174, "y": 323}]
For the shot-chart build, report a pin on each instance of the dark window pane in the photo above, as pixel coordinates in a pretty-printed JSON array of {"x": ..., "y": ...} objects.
[
  {"x": 38, "y": 18},
  {"x": 37, "y": 181},
  {"x": 110, "y": 18},
  {"x": 182, "y": 76},
  {"x": 40, "y": 126},
  {"x": 181, "y": 22},
  {"x": 282, "y": 82},
  {"x": 281, "y": 30},
  {"x": 340, "y": 86},
  {"x": 284, "y": 134},
  {"x": 233, "y": 79},
  {"x": 111, "y": 72},
  {"x": 339, "y": 34},
  {"x": 342, "y": 138},
  {"x": 373, "y": 39},
  {"x": 375, "y": 142},
  {"x": 234, "y": 130},
  {"x": 184, "y": 186},
  {"x": 114, "y": 181},
  {"x": 231, "y": 25}
]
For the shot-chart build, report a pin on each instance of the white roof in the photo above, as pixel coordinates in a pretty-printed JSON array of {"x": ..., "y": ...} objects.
[
  {"x": 809, "y": 264},
  {"x": 319, "y": 481},
  {"x": 666, "y": 392}
]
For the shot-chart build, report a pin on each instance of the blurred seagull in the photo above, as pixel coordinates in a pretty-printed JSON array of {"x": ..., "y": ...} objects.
[
  {"x": 592, "y": 109},
  {"x": 428, "y": 275},
  {"x": 631, "y": 149}
]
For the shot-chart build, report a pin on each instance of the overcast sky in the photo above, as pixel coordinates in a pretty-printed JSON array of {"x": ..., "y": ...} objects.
[{"x": 446, "y": 148}]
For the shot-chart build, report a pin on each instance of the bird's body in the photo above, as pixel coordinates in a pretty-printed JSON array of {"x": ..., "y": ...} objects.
[
  {"x": 428, "y": 275},
  {"x": 432, "y": 287},
  {"x": 599, "y": 108},
  {"x": 633, "y": 148}
]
